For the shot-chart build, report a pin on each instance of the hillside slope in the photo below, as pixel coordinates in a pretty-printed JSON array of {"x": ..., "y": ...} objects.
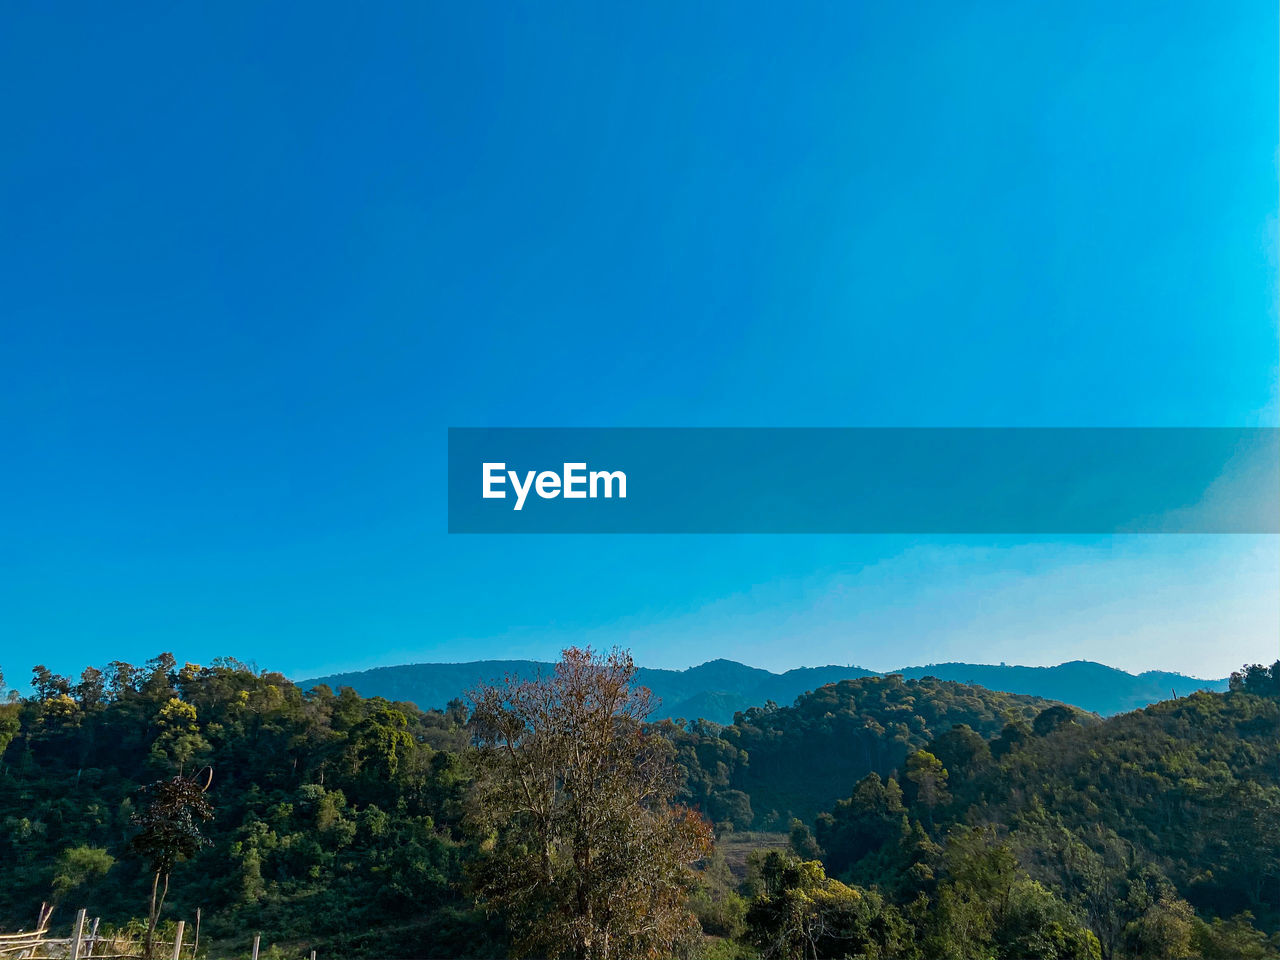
[
  {"x": 1177, "y": 802},
  {"x": 775, "y": 763},
  {"x": 718, "y": 689},
  {"x": 337, "y": 817}
]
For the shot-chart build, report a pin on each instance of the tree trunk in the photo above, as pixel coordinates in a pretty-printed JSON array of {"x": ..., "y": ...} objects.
[
  {"x": 151, "y": 914},
  {"x": 155, "y": 910},
  {"x": 164, "y": 892}
]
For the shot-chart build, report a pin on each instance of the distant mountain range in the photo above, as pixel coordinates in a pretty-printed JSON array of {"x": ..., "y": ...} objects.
[{"x": 717, "y": 689}]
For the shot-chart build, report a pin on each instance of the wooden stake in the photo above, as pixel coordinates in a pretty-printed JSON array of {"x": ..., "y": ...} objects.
[
  {"x": 93, "y": 938},
  {"x": 77, "y": 932},
  {"x": 256, "y": 938},
  {"x": 177, "y": 939}
]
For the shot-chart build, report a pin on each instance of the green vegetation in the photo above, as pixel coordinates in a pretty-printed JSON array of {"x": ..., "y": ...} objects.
[
  {"x": 720, "y": 689},
  {"x": 337, "y": 821},
  {"x": 775, "y": 763},
  {"x": 910, "y": 818},
  {"x": 1158, "y": 830}
]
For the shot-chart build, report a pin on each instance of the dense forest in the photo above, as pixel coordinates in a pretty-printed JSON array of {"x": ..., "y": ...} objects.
[
  {"x": 776, "y": 763},
  {"x": 1158, "y": 830},
  {"x": 338, "y": 820},
  {"x": 910, "y": 818}
]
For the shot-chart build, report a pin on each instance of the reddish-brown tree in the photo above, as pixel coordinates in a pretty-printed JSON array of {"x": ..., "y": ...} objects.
[{"x": 588, "y": 857}]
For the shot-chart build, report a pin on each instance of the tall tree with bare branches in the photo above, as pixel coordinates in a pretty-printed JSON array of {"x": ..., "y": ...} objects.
[{"x": 588, "y": 856}]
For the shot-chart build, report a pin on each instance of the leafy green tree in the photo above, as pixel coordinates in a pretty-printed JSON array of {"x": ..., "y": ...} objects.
[
  {"x": 1163, "y": 931},
  {"x": 962, "y": 751},
  {"x": 10, "y": 716},
  {"x": 716, "y": 902},
  {"x": 178, "y": 741},
  {"x": 862, "y": 824},
  {"x": 988, "y": 906},
  {"x": 1234, "y": 939},
  {"x": 802, "y": 841},
  {"x": 802, "y": 913},
  {"x": 1054, "y": 717},
  {"x": 1037, "y": 923},
  {"x": 91, "y": 691},
  {"x": 49, "y": 685},
  {"x": 77, "y": 866},
  {"x": 1258, "y": 680},
  {"x": 929, "y": 777}
]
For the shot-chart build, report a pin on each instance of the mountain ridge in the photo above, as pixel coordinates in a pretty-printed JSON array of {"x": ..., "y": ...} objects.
[{"x": 718, "y": 688}]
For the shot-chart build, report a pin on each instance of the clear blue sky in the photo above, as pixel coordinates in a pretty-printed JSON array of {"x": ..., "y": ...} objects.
[{"x": 255, "y": 259}]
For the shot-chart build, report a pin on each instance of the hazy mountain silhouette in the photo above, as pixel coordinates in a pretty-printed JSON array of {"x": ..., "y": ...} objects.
[{"x": 717, "y": 689}]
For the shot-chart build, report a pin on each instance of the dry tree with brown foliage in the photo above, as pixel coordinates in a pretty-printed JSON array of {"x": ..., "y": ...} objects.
[{"x": 587, "y": 856}]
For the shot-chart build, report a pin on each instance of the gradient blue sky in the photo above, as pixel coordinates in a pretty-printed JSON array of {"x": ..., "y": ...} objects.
[{"x": 255, "y": 259}]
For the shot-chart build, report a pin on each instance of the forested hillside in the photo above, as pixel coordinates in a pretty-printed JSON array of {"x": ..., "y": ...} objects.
[
  {"x": 719, "y": 689},
  {"x": 775, "y": 763},
  {"x": 932, "y": 818},
  {"x": 1139, "y": 823},
  {"x": 338, "y": 820}
]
